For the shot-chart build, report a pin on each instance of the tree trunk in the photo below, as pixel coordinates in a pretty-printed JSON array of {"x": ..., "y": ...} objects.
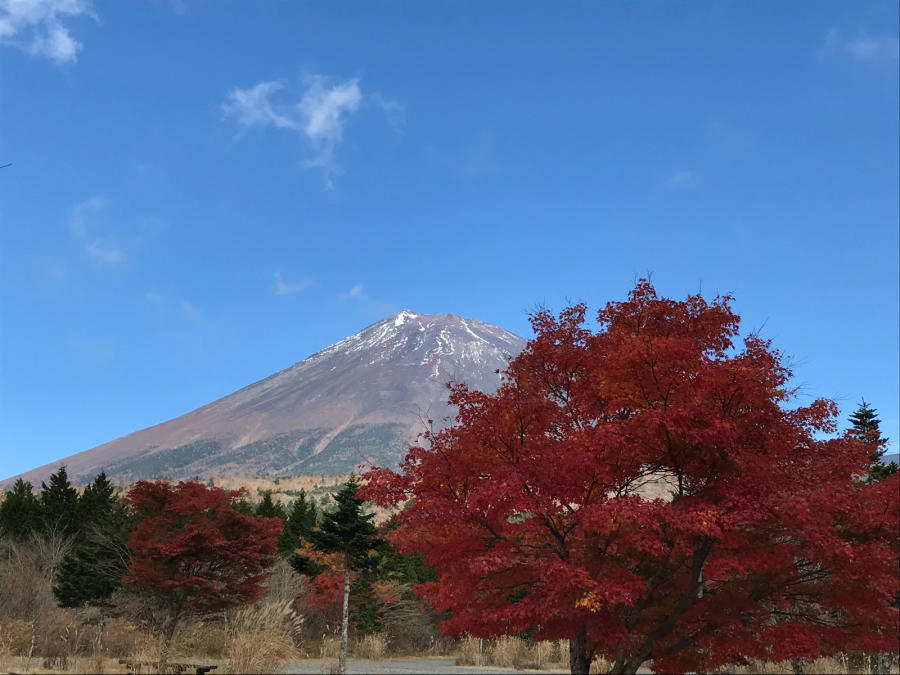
[
  {"x": 345, "y": 619},
  {"x": 579, "y": 663},
  {"x": 799, "y": 667},
  {"x": 168, "y": 634}
]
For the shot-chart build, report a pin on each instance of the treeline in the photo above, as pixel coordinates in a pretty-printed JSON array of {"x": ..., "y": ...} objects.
[
  {"x": 99, "y": 548},
  {"x": 96, "y": 525}
]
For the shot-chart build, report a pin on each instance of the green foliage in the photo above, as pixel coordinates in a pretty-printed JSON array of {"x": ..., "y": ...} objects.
[
  {"x": 269, "y": 508},
  {"x": 20, "y": 511},
  {"x": 94, "y": 567},
  {"x": 406, "y": 569},
  {"x": 244, "y": 506},
  {"x": 348, "y": 530},
  {"x": 301, "y": 519},
  {"x": 377, "y": 444},
  {"x": 59, "y": 504},
  {"x": 174, "y": 461},
  {"x": 366, "y": 610},
  {"x": 866, "y": 428}
]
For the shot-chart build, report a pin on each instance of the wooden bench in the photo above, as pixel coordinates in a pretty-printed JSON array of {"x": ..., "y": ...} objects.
[{"x": 176, "y": 668}]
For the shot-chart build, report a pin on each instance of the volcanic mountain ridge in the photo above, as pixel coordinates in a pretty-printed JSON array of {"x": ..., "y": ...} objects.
[{"x": 361, "y": 401}]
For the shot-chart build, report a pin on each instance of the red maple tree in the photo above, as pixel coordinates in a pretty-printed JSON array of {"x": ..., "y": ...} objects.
[
  {"x": 645, "y": 491},
  {"x": 194, "y": 553}
]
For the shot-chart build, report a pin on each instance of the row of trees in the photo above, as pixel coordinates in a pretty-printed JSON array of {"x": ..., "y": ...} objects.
[
  {"x": 198, "y": 550},
  {"x": 98, "y": 523}
]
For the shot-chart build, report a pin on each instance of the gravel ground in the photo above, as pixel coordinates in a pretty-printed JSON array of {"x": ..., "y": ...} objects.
[{"x": 437, "y": 666}]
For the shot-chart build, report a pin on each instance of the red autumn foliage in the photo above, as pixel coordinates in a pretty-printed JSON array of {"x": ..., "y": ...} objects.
[
  {"x": 536, "y": 510},
  {"x": 194, "y": 551}
]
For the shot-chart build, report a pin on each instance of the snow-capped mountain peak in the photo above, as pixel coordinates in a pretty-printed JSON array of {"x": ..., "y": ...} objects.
[{"x": 361, "y": 400}]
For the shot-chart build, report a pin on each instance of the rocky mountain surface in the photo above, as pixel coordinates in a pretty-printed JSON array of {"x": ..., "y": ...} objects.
[{"x": 360, "y": 401}]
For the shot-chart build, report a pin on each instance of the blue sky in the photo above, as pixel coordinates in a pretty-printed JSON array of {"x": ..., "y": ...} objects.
[{"x": 202, "y": 193}]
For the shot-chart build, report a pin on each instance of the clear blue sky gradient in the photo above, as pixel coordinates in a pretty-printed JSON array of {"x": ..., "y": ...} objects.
[{"x": 158, "y": 250}]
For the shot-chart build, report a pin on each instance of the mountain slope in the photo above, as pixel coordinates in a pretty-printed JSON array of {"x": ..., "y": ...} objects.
[{"x": 361, "y": 400}]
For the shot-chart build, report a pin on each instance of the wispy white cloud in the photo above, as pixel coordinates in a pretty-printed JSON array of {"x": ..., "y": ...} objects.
[
  {"x": 40, "y": 27},
  {"x": 324, "y": 110},
  {"x": 358, "y": 298},
  {"x": 682, "y": 178},
  {"x": 393, "y": 110},
  {"x": 163, "y": 305},
  {"x": 158, "y": 301},
  {"x": 355, "y": 292},
  {"x": 865, "y": 48},
  {"x": 282, "y": 287},
  {"x": 252, "y": 107},
  {"x": 189, "y": 312},
  {"x": 83, "y": 224},
  {"x": 318, "y": 117},
  {"x": 104, "y": 252}
]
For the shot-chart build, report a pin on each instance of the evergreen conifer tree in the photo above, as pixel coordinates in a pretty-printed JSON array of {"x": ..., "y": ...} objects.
[
  {"x": 301, "y": 519},
  {"x": 268, "y": 508},
  {"x": 866, "y": 428},
  {"x": 59, "y": 504},
  {"x": 93, "y": 568},
  {"x": 348, "y": 531},
  {"x": 20, "y": 511}
]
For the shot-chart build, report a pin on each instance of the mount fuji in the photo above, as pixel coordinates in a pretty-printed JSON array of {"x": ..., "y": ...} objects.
[{"x": 361, "y": 401}]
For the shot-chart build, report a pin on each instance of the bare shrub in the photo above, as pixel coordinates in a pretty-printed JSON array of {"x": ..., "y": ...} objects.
[
  {"x": 410, "y": 629},
  {"x": 27, "y": 569},
  {"x": 261, "y": 638},
  {"x": 284, "y": 585},
  {"x": 372, "y": 646},
  {"x": 16, "y": 637},
  {"x": 57, "y": 637},
  {"x": 119, "y": 638}
]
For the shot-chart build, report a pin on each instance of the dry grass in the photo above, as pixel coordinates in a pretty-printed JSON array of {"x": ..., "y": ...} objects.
[
  {"x": 511, "y": 652},
  {"x": 261, "y": 638},
  {"x": 329, "y": 647},
  {"x": 119, "y": 638},
  {"x": 471, "y": 652},
  {"x": 372, "y": 647},
  {"x": 202, "y": 640},
  {"x": 507, "y": 652},
  {"x": 841, "y": 664}
]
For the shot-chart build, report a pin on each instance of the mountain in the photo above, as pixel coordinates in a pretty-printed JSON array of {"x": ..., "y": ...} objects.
[{"x": 359, "y": 401}]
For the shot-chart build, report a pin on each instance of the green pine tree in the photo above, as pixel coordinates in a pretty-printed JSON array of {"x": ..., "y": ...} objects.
[
  {"x": 59, "y": 504},
  {"x": 301, "y": 519},
  {"x": 350, "y": 532},
  {"x": 866, "y": 428},
  {"x": 268, "y": 508},
  {"x": 366, "y": 610},
  {"x": 98, "y": 559},
  {"x": 20, "y": 511}
]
